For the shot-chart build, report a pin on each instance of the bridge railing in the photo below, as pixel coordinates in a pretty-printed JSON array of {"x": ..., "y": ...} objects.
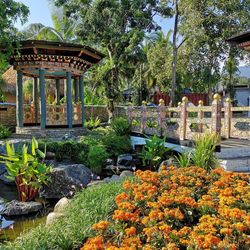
[{"x": 186, "y": 122}]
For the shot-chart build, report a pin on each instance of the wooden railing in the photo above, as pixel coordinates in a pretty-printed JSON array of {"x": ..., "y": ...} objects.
[{"x": 186, "y": 122}]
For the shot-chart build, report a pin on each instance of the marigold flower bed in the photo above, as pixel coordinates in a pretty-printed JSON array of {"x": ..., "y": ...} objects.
[{"x": 178, "y": 208}]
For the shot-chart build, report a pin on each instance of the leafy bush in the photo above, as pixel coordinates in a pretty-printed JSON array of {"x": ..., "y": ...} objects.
[
  {"x": 92, "y": 123},
  {"x": 96, "y": 158},
  {"x": 121, "y": 126},
  {"x": 116, "y": 144},
  {"x": 27, "y": 169},
  {"x": 204, "y": 152},
  {"x": 151, "y": 124},
  {"x": 153, "y": 151},
  {"x": 65, "y": 149},
  {"x": 4, "y": 132}
]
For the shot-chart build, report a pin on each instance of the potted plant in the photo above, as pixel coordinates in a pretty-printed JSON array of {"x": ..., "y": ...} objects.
[{"x": 28, "y": 170}]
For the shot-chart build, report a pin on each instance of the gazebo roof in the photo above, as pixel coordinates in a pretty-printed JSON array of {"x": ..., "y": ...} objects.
[
  {"x": 56, "y": 58},
  {"x": 242, "y": 40}
]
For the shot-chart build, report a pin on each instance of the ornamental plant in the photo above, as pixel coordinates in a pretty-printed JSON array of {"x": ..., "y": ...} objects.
[
  {"x": 153, "y": 151},
  {"x": 28, "y": 170},
  {"x": 175, "y": 209},
  {"x": 121, "y": 126}
]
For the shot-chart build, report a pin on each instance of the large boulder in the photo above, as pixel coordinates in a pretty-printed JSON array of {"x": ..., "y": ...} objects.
[
  {"x": 61, "y": 204},
  {"x": 17, "y": 208},
  {"x": 65, "y": 180},
  {"x": 125, "y": 160}
]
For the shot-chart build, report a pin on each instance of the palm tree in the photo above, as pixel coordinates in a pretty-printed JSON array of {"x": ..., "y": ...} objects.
[{"x": 63, "y": 30}]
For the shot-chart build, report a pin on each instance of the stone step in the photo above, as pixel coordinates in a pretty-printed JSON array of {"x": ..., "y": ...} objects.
[{"x": 239, "y": 164}]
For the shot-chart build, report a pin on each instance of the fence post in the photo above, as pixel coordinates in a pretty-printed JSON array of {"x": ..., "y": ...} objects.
[
  {"x": 143, "y": 116},
  {"x": 161, "y": 115},
  {"x": 129, "y": 114},
  {"x": 227, "y": 118},
  {"x": 200, "y": 116},
  {"x": 216, "y": 116},
  {"x": 183, "y": 118}
]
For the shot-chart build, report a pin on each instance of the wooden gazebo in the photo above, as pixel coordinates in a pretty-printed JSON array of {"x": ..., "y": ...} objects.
[{"x": 42, "y": 60}]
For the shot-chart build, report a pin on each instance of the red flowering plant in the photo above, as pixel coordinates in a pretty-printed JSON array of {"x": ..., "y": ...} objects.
[{"x": 178, "y": 209}]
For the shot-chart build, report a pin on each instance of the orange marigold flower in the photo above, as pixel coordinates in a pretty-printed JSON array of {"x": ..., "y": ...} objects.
[
  {"x": 95, "y": 243},
  {"x": 102, "y": 225},
  {"x": 130, "y": 231},
  {"x": 122, "y": 197}
]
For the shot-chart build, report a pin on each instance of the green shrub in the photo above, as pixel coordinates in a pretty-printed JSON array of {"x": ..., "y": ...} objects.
[
  {"x": 92, "y": 123},
  {"x": 66, "y": 149},
  {"x": 4, "y": 132},
  {"x": 184, "y": 160},
  {"x": 96, "y": 158},
  {"x": 116, "y": 144},
  {"x": 204, "y": 152},
  {"x": 153, "y": 152},
  {"x": 121, "y": 126}
]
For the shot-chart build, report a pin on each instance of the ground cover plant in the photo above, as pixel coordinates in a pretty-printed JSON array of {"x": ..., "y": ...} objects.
[
  {"x": 176, "y": 209},
  {"x": 88, "y": 206}
]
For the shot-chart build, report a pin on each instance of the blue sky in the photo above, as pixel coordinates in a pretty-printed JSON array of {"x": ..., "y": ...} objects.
[{"x": 40, "y": 13}]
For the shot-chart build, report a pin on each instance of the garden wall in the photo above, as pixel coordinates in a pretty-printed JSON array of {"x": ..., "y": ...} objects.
[{"x": 8, "y": 113}]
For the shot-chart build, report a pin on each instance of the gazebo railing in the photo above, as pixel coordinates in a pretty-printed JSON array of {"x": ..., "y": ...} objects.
[{"x": 56, "y": 115}]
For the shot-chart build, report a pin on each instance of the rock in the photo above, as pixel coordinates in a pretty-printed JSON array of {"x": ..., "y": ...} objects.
[
  {"x": 112, "y": 178},
  {"x": 50, "y": 156},
  {"x": 61, "y": 204},
  {"x": 6, "y": 181},
  {"x": 2, "y": 168},
  {"x": 95, "y": 183},
  {"x": 169, "y": 162},
  {"x": 65, "y": 180},
  {"x": 17, "y": 208},
  {"x": 126, "y": 173},
  {"x": 52, "y": 217},
  {"x": 109, "y": 162},
  {"x": 125, "y": 160}
]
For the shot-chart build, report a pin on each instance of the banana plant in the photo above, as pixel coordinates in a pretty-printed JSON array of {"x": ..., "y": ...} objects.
[{"x": 27, "y": 169}]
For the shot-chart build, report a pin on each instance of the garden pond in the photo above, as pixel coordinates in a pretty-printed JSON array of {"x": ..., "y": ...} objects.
[{"x": 11, "y": 228}]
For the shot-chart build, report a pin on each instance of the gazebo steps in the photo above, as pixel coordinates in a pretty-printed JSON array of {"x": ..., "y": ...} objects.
[
  {"x": 29, "y": 132},
  {"x": 236, "y": 159}
]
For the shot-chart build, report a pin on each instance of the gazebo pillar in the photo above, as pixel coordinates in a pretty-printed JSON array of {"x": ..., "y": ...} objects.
[
  {"x": 81, "y": 90},
  {"x": 35, "y": 97},
  {"x": 42, "y": 98},
  {"x": 57, "y": 91},
  {"x": 76, "y": 89},
  {"x": 69, "y": 99},
  {"x": 19, "y": 99}
]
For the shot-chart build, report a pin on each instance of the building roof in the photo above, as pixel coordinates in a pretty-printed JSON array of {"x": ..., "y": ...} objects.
[
  {"x": 56, "y": 58},
  {"x": 242, "y": 40},
  {"x": 9, "y": 78}
]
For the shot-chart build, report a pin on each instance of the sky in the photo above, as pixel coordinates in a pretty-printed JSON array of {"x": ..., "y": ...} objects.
[{"x": 40, "y": 13}]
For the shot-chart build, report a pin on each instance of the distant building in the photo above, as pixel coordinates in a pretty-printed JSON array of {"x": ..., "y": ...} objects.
[{"x": 242, "y": 91}]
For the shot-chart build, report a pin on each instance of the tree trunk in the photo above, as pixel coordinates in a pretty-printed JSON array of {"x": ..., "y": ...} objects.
[{"x": 175, "y": 51}]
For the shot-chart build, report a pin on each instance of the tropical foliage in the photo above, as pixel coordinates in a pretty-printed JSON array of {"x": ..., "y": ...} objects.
[
  {"x": 176, "y": 209},
  {"x": 28, "y": 170}
]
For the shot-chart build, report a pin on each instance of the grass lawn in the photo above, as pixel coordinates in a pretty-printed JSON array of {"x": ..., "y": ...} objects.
[{"x": 87, "y": 207}]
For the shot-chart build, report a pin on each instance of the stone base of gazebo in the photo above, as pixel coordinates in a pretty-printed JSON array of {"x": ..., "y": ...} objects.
[{"x": 50, "y": 132}]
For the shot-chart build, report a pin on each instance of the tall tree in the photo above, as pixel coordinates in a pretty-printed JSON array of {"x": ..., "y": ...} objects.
[
  {"x": 115, "y": 26},
  {"x": 10, "y": 12}
]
